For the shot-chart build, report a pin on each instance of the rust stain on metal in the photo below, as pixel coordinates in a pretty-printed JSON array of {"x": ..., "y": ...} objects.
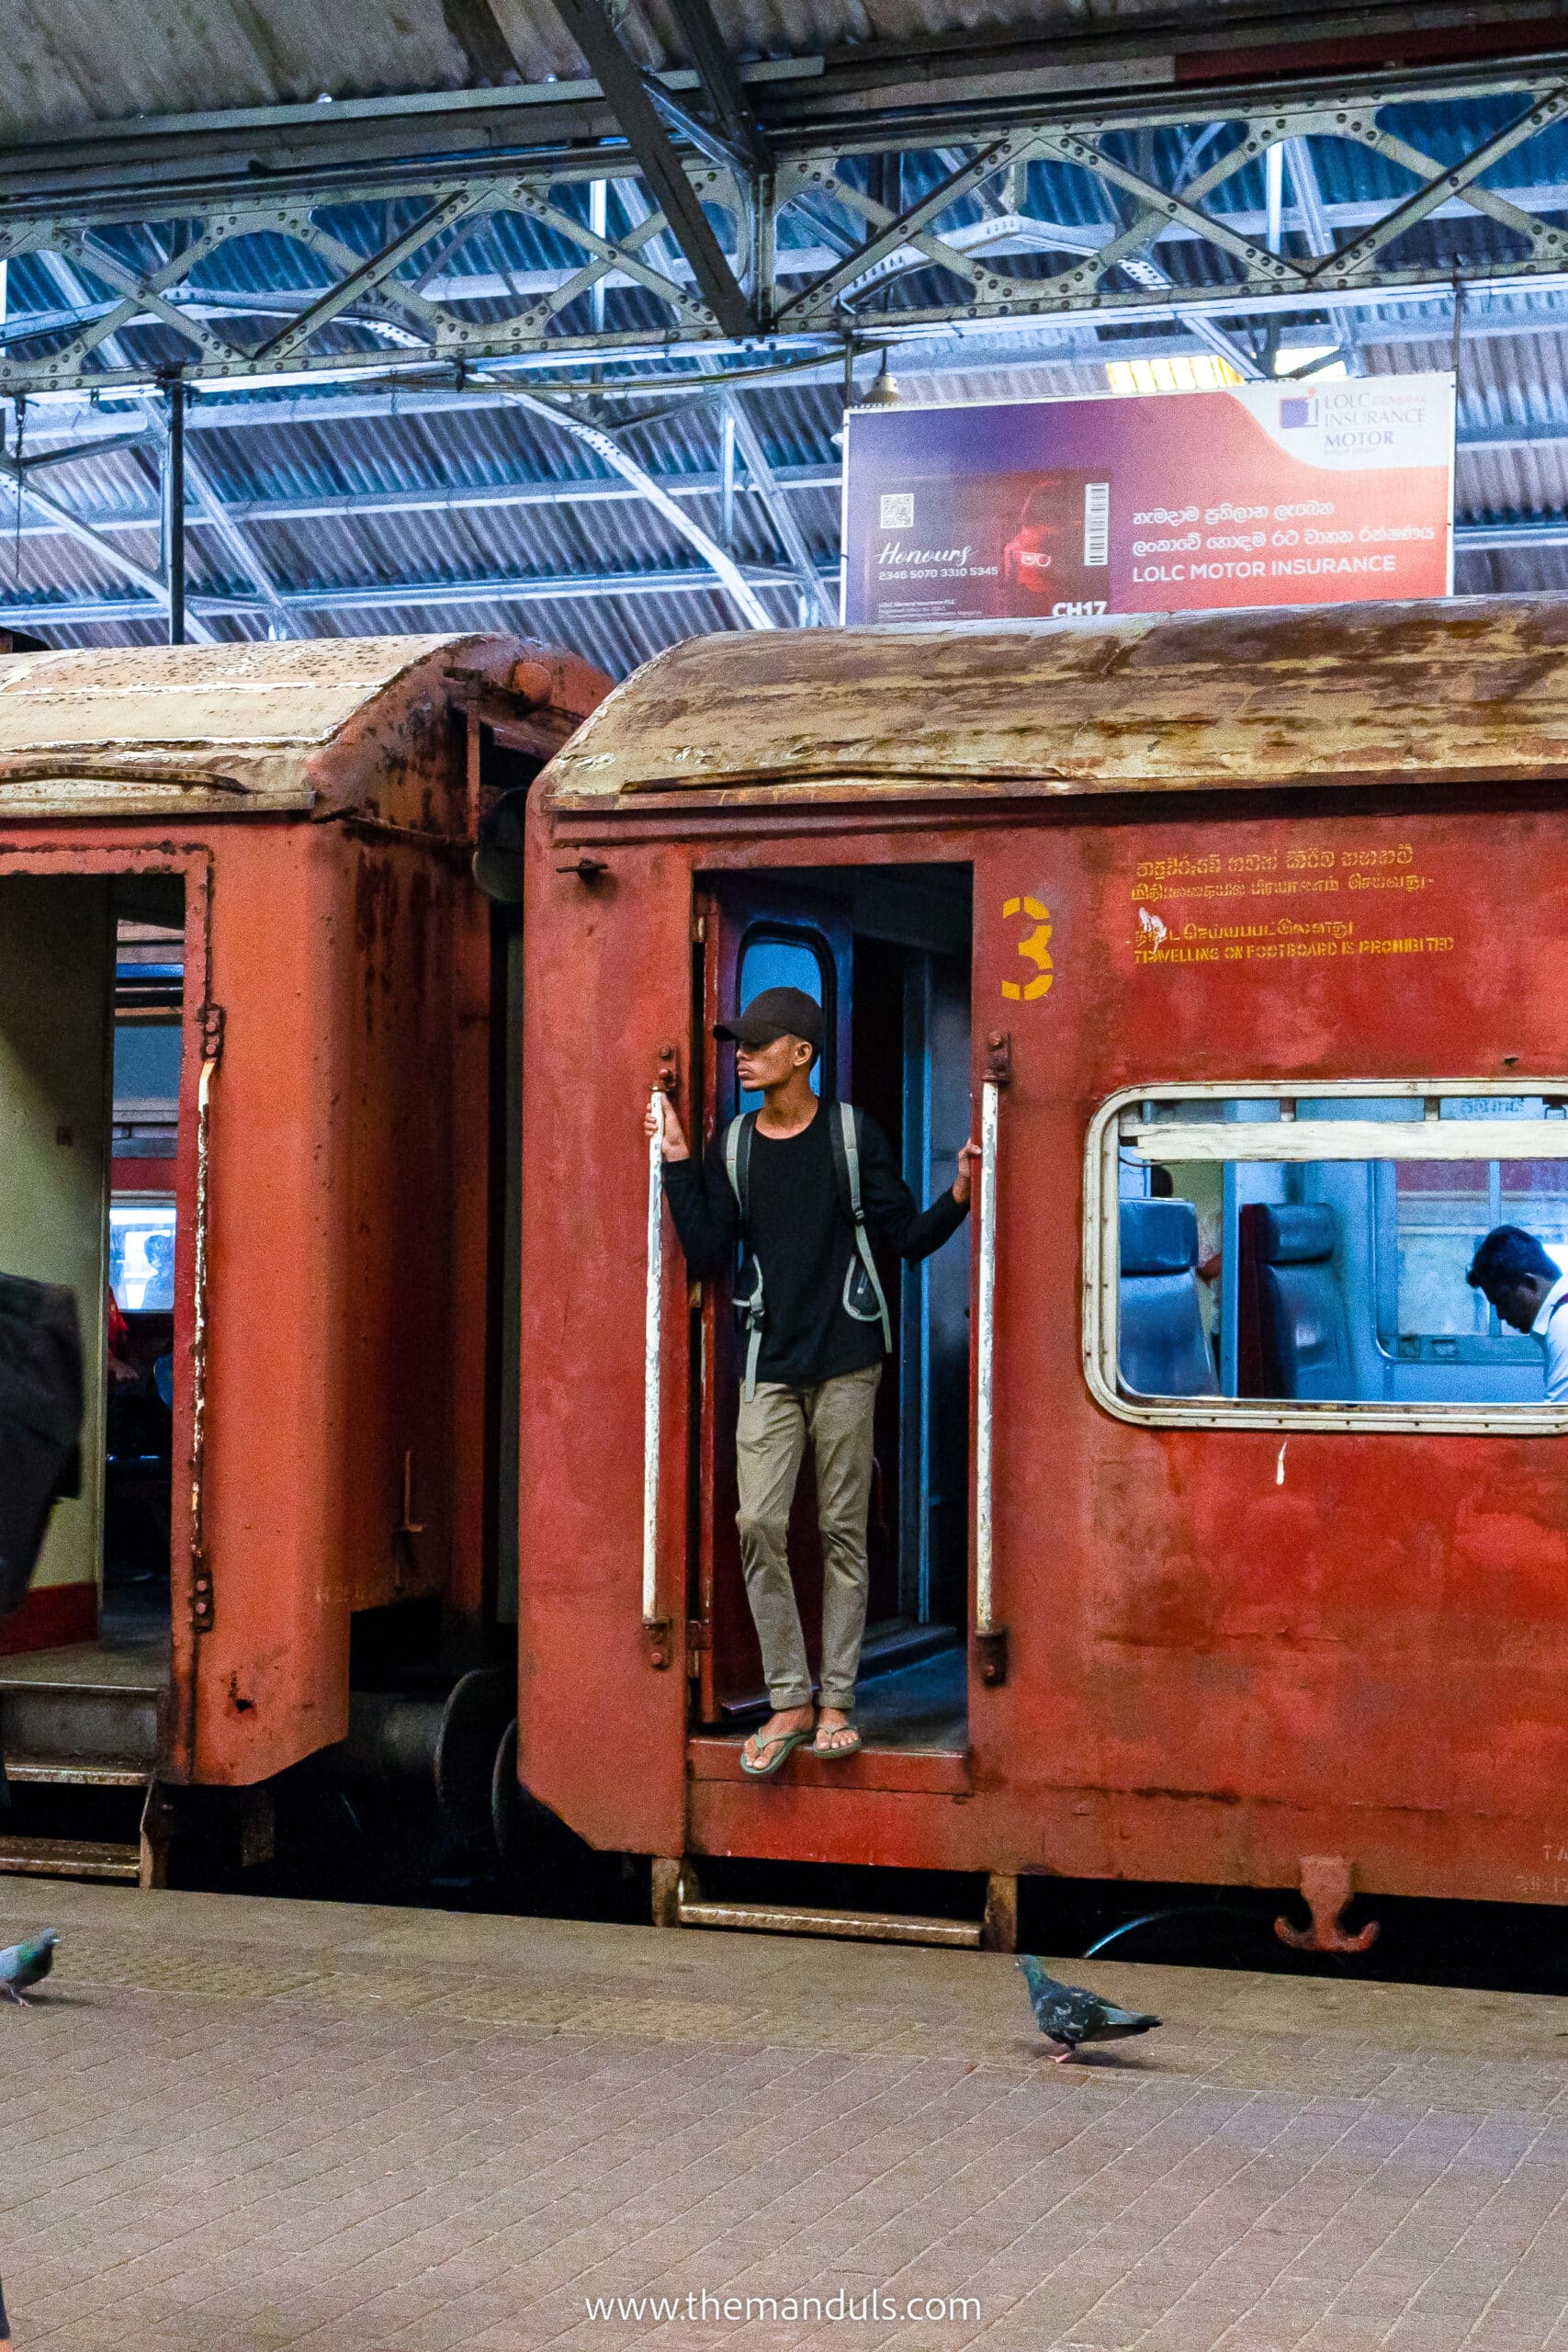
[
  {"x": 1468, "y": 689},
  {"x": 376, "y": 909}
]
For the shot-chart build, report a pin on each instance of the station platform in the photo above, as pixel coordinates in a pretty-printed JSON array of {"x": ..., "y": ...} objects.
[{"x": 239, "y": 2125}]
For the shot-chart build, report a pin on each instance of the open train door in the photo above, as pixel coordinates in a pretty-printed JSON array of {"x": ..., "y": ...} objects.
[
  {"x": 750, "y": 935},
  {"x": 886, "y": 951}
]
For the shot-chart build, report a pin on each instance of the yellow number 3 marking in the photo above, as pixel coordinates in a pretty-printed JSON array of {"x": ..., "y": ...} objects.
[{"x": 1035, "y": 947}]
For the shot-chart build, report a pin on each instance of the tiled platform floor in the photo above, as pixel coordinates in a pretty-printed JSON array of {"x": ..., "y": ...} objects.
[{"x": 238, "y": 2126}]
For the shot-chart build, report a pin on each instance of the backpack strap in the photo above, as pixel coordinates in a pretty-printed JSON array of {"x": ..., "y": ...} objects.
[
  {"x": 738, "y": 1168},
  {"x": 737, "y": 1164},
  {"x": 844, "y": 1133}
]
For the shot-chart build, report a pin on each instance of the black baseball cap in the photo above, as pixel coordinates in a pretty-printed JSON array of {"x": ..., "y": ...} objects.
[{"x": 776, "y": 1013}]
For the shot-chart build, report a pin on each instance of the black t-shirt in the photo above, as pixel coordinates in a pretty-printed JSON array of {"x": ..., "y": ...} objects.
[{"x": 804, "y": 1241}]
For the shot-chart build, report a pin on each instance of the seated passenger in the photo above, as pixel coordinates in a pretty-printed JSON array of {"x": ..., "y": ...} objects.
[{"x": 1528, "y": 1289}]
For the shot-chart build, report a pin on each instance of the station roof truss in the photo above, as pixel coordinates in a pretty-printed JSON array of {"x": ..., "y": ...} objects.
[
  {"x": 182, "y": 259},
  {"x": 544, "y": 314}
]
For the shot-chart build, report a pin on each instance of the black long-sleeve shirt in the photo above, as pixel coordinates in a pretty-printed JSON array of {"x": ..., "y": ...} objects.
[{"x": 804, "y": 1241}]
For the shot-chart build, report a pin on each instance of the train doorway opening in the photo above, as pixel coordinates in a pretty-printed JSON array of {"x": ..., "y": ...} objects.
[
  {"x": 887, "y": 952},
  {"x": 92, "y": 1049}
]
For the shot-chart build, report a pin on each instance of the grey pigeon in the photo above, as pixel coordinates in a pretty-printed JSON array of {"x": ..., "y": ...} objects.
[
  {"x": 1068, "y": 2016},
  {"x": 24, "y": 1965}
]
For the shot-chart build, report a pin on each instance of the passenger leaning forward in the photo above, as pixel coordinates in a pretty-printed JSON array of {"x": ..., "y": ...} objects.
[
  {"x": 784, "y": 1182},
  {"x": 1513, "y": 1272}
]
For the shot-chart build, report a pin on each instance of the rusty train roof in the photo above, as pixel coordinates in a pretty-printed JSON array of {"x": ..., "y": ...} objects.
[
  {"x": 1461, "y": 689},
  {"x": 238, "y": 728}
]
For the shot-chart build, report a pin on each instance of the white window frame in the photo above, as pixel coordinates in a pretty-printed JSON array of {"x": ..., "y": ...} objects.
[{"x": 1272, "y": 1140}]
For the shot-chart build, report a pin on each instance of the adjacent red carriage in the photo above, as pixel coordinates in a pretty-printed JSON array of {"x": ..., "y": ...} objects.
[{"x": 251, "y": 1070}]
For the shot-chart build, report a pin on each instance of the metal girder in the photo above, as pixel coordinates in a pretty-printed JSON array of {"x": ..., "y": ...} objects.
[
  {"x": 198, "y": 484},
  {"x": 60, "y": 274},
  {"x": 626, "y": 88},
  {"x": 101, "y": 444},
  {"x": 511, "y": 256},
  {"x": 63, "y": 519},
  {"x": 727, "y": 572},
  {"x": 470, "y": 498},
  {"x": 790, "y": 535},
  {"x": 722, "y": 84},
  {"x": 1296, "y": 156},
  {"x": 391, "y": 596}
]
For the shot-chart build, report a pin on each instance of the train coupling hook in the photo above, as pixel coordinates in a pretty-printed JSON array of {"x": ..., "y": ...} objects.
[{"x": 1326, "y": 1889}]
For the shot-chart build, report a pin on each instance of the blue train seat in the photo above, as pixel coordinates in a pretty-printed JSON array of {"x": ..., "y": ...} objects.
[
  {"x": 1162, "y": 1350},
  {"x": 1306, "y": 1338}
]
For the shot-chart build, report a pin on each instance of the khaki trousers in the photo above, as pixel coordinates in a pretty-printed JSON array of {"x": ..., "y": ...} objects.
[{"x": 771, "y": 1436}]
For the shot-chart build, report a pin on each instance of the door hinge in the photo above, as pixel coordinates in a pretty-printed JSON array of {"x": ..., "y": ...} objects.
[
  {"x": 212, "y": 1019},
  {"x": 200, "y": 1597}
]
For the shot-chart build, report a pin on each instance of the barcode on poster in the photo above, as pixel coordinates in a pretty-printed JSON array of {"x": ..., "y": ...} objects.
[{"x": 1097, "y": 522}]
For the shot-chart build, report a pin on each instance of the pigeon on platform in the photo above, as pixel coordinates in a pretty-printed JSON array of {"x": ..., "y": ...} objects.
[
  {"x": 1068, "y": 2016},
  {"x": 24, "y": 1965}
]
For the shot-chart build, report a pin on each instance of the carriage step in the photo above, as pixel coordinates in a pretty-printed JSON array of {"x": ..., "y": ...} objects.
[
  {"x": 803, "y": 1919},
  {"x": 77, "y": 1771},
  {"x": 58, "y": 1717},
  {"x": 68, "y": 1858},
  {"x": 679, "y": 1902}
]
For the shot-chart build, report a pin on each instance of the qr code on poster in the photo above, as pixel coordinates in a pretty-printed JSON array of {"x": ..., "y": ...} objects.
[{"x": 897, "y": 510}]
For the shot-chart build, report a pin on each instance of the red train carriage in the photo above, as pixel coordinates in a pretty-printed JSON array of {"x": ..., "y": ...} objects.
[
  {"x": 1221, "y": 1532},
  {"x": 246, "y": 988}
]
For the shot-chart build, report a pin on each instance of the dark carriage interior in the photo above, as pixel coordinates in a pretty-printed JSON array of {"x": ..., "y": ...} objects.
[
  {"x": 886, "y": 950},
  {"x": 142, "y": 1240}
]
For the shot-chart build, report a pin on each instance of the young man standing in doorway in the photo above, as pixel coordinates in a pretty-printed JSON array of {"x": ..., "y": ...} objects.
[{"x": 817, "y": 1333}]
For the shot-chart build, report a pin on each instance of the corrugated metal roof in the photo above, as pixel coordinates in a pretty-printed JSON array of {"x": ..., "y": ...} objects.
[{"x": 71, "y": 63}]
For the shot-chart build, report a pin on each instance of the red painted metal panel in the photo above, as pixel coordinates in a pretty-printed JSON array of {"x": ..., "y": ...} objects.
[
  {"x": 347, "y": 1369},
  {"x": 1216, "y": 1667},
  {"x": 601, "y": 1731},
  {"x": 912, "y": 1770}
]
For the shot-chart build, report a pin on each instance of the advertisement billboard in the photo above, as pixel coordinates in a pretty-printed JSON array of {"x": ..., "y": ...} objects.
[{"x": 1265, "y": 494}]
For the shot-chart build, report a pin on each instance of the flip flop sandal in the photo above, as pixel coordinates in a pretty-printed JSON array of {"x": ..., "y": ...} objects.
[
  {"x": 774, "y": 1751},
  {"x": 833, "y": 1755}
]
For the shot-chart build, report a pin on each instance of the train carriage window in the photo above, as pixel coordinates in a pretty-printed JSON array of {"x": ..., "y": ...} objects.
[
  {"x": 1255, "y": 1257},
  {"x": 142, "y": 1252}
]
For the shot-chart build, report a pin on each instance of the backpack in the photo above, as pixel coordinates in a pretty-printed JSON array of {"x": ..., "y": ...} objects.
[{"x": 863, "y": 1300}]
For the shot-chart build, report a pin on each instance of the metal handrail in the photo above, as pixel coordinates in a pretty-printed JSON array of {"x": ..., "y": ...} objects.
[
  {"x": 653, "y": 1342},
  {"x": 984, "y": 1615},
  {"x": 201, "y": 1574}
]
